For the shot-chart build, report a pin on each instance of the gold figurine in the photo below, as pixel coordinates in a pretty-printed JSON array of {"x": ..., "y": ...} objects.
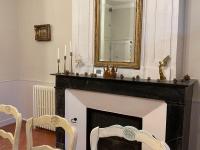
[
  {"x": 163, "y": 64},
  {"x": 110, "y": 72},
  {"x": 113, "y": 72},
  {"x": 106, "y": 72}
]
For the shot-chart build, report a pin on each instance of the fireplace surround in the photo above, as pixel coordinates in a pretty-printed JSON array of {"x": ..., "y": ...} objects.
[
  {"x": 177, "y": 96},
  {"x": 113, "y": 109}
]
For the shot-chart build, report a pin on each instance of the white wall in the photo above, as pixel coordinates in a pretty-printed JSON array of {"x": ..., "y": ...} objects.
[
  {"x": 38, "y": 59},
  {"x": 191, "y": 65},
  {"x": 8, "y": 40},
  {"x": 8, "y": 95},
  {"x": 8, "y": 54},
  {"x": 192, "y": 44},
  {"x": 23, "y": 61}
]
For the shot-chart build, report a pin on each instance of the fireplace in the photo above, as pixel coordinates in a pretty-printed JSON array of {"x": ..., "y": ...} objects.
[
  {"x": 97, "y": 118},
  {"x": 94, "y": 109},
  {"x": 177, "y": 96}
]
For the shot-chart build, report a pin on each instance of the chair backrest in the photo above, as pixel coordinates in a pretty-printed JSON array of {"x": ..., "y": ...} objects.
[
  {"x": 14, "y": 139},
  {"x": 129, "y": 133},
  {"x": 54, "y": 121}
]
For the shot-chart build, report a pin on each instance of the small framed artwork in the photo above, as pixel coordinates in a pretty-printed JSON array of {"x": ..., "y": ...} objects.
[{"x": 42, "y": 32}]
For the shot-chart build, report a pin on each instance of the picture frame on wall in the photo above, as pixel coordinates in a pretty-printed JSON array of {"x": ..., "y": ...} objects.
[{"x": 42, "y": 32}]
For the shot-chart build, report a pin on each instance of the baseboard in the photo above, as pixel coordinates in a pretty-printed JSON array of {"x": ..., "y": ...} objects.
[
  {"x": 196, "y": 102},
  {"x": 10, "y": 121},
  {"x": 37, "y": 81},
  {"x": 7, "y": 122},
  {"x": 24, "y": 120}
]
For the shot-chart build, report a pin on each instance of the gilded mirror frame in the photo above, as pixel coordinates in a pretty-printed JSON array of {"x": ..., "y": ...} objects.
[{"x": 138, "y": 39}]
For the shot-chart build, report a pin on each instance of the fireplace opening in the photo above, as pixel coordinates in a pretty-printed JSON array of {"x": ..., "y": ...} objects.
[{"x": 104, "y": 119}]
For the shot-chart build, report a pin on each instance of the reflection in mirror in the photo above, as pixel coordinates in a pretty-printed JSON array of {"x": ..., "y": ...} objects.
[
  {"x": 117, "y": 28},
  {"x": 118, "y": 32}
]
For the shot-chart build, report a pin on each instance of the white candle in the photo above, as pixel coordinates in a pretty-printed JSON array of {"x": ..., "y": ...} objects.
[
  {"x": 58, "y": 53},
  {"x": 65, "y": 50},
  {"x": 70, "y": 45}
]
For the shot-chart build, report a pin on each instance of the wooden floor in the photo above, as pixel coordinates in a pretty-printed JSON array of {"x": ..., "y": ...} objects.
[{"x": 40, "y": 137}]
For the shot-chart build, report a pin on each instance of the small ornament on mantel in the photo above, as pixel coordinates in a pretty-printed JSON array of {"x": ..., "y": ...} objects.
[
  {"x": 149, "y": 79},
  {"x": 137, "y": 77},
  {"x": 175, "y": 81},
  {"x": 121, "y": 76},
  {"x": 113, "y": 72},
  {"x": 110, "y": 72},
  {"x": 93, "y": 75},
  {"x": 106, "y": 74},
  {"x": 86, "y": 74},
  {"x": 187, "y": 78},
  {"x": 67, "y": 73},
  {"x": 133, "y": 78}
]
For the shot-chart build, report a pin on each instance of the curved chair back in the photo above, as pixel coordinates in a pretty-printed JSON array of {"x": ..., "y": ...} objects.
[
  {"x": 54, "y": 121},
  {"x": 129, "y": 133},
  {"x": 14, "y": 139}
]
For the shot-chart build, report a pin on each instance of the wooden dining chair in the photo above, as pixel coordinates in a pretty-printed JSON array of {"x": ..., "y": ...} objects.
[
  {"x": 13, "y": 138},
  {"x": 53, "y": 121},
  {"x": 129, "y": 133}
]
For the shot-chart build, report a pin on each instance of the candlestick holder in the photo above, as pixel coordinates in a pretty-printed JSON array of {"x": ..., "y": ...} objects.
[
  {"x": 71, "y": 55},
  {"x": 65, "y": 57},
  {"x": 65, "y": 64},
  {"x": 58, "y": 61}
]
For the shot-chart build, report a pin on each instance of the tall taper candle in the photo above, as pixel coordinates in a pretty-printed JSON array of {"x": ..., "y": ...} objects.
[
  {"x": 70, "y": 46},
  {"x": 58, "y": 53},
  {"x": 65, "y": 50}
]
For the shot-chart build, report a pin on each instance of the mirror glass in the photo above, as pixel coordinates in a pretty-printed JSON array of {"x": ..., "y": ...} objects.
[{"x": 118, "y": 31}]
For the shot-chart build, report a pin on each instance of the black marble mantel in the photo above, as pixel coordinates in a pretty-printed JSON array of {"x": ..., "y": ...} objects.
[{"x": 177, "y": 96}]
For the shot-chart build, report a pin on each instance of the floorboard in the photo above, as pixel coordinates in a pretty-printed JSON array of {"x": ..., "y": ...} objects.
[{"x": 40, "y": 137}]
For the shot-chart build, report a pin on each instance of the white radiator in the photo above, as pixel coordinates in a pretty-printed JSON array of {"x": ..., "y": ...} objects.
[{"x": 43, "y": 102}]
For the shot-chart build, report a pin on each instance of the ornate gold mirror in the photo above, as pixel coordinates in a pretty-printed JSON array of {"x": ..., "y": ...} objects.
[{"x": 118, "y": 31}]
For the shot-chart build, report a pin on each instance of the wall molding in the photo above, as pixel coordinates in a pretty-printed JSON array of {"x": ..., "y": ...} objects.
[
  {"x": 26, "y": 80},
  {"x": 10, "y": 121},
  {"x": 7, "y": 121},
  {"x": 39, "y": 81},
  {"x": 6, "y": 81},
  {"x": 196, "y": 101}
]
